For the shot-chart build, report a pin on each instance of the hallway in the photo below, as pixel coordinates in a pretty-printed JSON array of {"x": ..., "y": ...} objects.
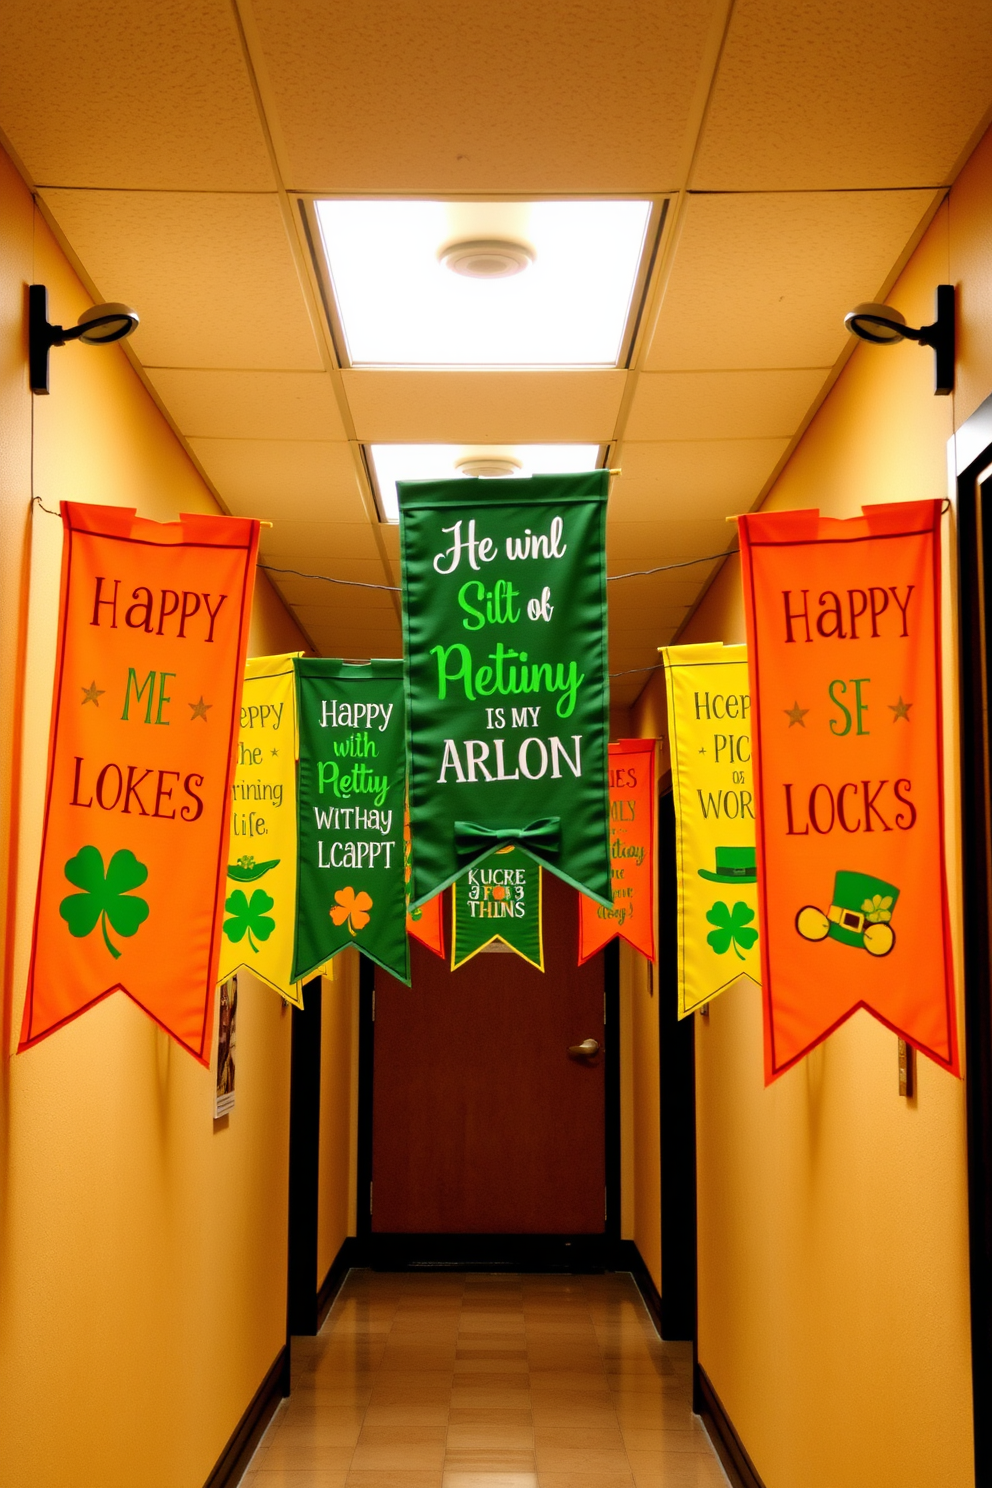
[{"x": 487, "y": 1381}]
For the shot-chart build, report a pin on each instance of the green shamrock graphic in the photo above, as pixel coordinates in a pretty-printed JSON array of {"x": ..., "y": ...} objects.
[
  {"x": 732, "y": 929},
  {"x": 878, "y": 909},
  {"x": 105, "y": 896},
  {"x": 249, "y": 915}
]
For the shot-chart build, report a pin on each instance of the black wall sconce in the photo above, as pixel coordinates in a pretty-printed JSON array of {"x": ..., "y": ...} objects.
[
  {"x": 884, "y": 326},
  {"x": 98, "y": 326}
]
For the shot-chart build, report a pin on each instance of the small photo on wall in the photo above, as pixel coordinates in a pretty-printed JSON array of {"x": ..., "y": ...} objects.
[{"x": 226, "y": 1033}]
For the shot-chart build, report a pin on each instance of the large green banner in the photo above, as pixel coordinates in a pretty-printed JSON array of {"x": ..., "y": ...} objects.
[
  {"x": 504, "y": 627},
  {"x": 350, "y": 881}
]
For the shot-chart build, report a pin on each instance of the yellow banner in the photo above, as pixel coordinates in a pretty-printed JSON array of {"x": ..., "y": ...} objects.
[
  {"x": 261, "y": 869},
  {"x": 709, "y": 727}
]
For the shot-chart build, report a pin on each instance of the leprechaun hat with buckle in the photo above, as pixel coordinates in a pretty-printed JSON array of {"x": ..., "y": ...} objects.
[
  {"x": 734, "y": 865},
  {"x": 859, "y": 901},
  {"x": 859, "y": 915}
]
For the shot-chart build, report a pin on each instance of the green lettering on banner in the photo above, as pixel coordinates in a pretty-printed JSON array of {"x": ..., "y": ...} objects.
[
  {"x": 504, "y": 597},
  {"x": 350, "y": 872}
]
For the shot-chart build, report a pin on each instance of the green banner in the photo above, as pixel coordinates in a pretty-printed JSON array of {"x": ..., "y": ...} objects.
[
  {"x": 499, "y": 899},
  {"x": 350, "y": 885},
  {"x": 504, "y": 628}
]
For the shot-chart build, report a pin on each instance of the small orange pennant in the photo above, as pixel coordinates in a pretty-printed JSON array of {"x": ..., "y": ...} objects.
[
  {"x": 632, "y": 856},
  {"x": 426, "y": 922}
]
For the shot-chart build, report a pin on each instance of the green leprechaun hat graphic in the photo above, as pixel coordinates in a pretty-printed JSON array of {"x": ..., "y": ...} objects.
[
  {"x": 860, "y": 914},
  {"x": 734, "y": 865}
]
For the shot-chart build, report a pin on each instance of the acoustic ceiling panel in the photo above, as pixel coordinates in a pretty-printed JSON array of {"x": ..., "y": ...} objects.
[
  {"x": 633, "y": 544},
  {"x": 468, "y": 407},
  {"x": 315, "y": 544},
  {"x": 128, "y": 94},
  {"x": 765, "y": 280},
  {"x": 550, "y": 96},
  {"x": 832, "y": 94},
  {"x": 212, "y": 276},
  {"x": 721, "y": 405},
  {"x": 272, "y": 478},
  {"x": 692, "y": 479},
  {"x": 249, "y": 405}
]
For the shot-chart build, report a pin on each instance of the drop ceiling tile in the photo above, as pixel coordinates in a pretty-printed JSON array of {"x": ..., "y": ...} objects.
[
  {"x": 212, "y": 276},
  {"x": 692, "y": 479},
  {"x": 469, "y": 407},
  {"x": 273, "y": 479},
  {"x": 639, "y": 544},
  {"x": 765, "y": 280},
  {"x": 721, "y": 405},
  {"x": 250, "y": 405},
  {"x": 316, "y": 542},
  {"x": 529, "y": 96},
  {"x": 845, "y": 94},
  {"x": 131, "y": 95}
]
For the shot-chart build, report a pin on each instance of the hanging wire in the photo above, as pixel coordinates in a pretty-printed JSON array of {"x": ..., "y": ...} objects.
[
  {"x": 639, "y": 573},
  {"x": 633, "y": 671}
]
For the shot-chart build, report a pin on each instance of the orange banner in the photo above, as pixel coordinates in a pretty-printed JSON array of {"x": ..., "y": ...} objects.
[
  {"x": 426, "y": 922},
  {"x": 632, "y": 856},
  {"x": 153, "y": 630},
  {"x": 844, "y": 649}
]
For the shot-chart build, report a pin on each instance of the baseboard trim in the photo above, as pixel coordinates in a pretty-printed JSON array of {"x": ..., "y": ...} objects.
[
  {"x": 415, "y": 1252},
  {"x": 246, "y": 1435},
  {"x": 722, "y": 1433},
  {"x": 629, "y": 1258},
  {"x": 342, "y": 1263}
]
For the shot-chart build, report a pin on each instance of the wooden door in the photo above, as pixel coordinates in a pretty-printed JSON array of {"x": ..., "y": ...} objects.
[{"x": 482, "y": 1123}]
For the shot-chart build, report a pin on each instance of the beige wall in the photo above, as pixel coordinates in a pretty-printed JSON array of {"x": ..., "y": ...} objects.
[
  {"x": 833, "y": 1267},
  {"x": 142, "y": 1246}
]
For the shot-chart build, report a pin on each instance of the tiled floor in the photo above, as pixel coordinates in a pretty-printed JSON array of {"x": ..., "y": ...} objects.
[{"x": 487, "y": 1381}]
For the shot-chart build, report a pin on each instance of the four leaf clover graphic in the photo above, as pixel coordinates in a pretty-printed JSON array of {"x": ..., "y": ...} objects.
[
  {"x": 249, "y": 916},
  {"x": 351, "y": 908},
  {"x": 877, "y": 909},
  {"x": 105, "y": 895},
  {"x": 733, "y": 928}
]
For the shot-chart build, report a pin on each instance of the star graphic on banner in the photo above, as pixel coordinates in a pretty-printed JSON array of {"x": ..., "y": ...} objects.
[
  {"x": 900, "y": 710},
  {"x": 274, "y": 753},
  {"x": 795, "y": 714},
  {"x": 92, "y": 694},
  {"x": 703, "y": 750},
  {"x": 200, "y": 709}
]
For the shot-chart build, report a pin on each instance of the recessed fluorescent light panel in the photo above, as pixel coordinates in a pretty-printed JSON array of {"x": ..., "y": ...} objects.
[
  {"x": 484, "y": 284},
  {"x": 393, "y": 462}
]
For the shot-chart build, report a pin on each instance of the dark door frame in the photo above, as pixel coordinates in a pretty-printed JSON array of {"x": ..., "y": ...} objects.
[
  {"x": 677, "y": 1080},
  {"x": 970, "y": 456},
  {"x": 302, "y": 1306},
  {"x": 489, "y": 1252}
]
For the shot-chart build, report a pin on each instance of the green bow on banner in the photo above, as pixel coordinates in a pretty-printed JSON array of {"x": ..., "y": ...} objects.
[{"x": 544, "y": 834}]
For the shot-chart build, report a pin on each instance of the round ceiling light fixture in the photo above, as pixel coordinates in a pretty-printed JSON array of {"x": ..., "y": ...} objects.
[
  {"x": 487, "y": 258},
  {"x": 489, "y": 467}
]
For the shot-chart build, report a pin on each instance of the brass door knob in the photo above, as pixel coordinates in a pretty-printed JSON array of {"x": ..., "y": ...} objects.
[{"x": 585, "y": 1050}]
